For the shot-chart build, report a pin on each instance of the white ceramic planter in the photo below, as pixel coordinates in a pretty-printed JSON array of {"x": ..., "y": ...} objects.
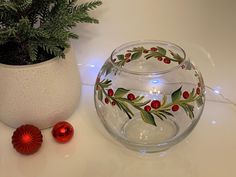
[{"x": 39, "y": 94}]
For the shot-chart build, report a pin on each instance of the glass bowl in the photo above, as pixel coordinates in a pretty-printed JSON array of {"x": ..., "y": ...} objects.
[{"x": 148, "y": 95}]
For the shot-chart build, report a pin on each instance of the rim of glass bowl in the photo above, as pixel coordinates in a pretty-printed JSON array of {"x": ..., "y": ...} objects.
[{"x": 134, "y": 43}]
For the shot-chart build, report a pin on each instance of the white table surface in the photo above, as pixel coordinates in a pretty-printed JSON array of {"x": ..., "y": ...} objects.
[{"x": 206, "y": 29}]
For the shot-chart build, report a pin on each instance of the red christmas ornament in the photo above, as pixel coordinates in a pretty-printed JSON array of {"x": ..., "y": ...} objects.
[
  {"x": 27, "y": 139},
  {"x": 62, "y": 132}
]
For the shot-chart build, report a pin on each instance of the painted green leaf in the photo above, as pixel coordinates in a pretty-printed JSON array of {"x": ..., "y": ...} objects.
[
  {"x": 158, "y": 115},
  {"x": 120, "y": 92},
  {"x": 164, "y": 100},
  {"x": 163, "y": 115},
  {"x": 192, "y": 93},
  {"x": 106, "y": 83},
  {"x": 143, "y": 103},
  {"x": 136, "y": 55},
  {"x": 176, "y": 95},
  {"x": 100, "y": 95},
  {"x": 138, "y": 49},
  {"x": 148, "y": 117},
  {"x": 176, "y": 56},
  {"x": 162, "y": 51},
  {"x": 199, "y": 101},
  {"x": 123, "y": 107},
  {"x": 188, "y": 109},
  {"x": 138, "y": 98},
  {"x": 153, "y": 54},
  {"x": 167, "y": 113},
  {"x": 108, "y": 68},
  {"x": 121, "y": 57},
  {"x": 188, "y": 65}
]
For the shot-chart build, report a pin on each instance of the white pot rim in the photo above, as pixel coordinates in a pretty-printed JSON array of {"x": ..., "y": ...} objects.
[{"x": 50, "y": 61}]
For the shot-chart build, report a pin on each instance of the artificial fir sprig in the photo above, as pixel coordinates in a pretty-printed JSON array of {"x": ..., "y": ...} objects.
[{"x": 32, "y": 31}]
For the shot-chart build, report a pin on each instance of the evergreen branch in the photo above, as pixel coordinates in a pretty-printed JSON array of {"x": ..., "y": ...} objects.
[
  {"x": 33, "y": 50},
  {"x": 8, "y": 6},
  {"x": 39, "y": 30},
  {"x": 89, "y": 6}
]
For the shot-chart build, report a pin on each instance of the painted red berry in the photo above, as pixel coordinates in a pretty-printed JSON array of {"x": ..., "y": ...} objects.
[
  {"x": 183, "y": 66},
  {"x": 98, "y": 80},
  {"x": 166, "y": 60},
  {"x": 110, "y": 92},
  {"x": 127, "y": 60},
  {"x": 127, "y": 55},
  {"x": 155, "y": 104},
  {"x": 147, "y": 108},
  {"x": 185, "y": 95},
  {"x": 153, "y": 49},
  {"x": 113, "y": 103},
  {"x": 131, "y": 96},
  {"x": 198, "y": 91},
  {"x": 175, "y": 107},
  {"x": 107, "y": 100},
  {"x": 159, "y": 58},
  {"x": 145, "y": 51}
]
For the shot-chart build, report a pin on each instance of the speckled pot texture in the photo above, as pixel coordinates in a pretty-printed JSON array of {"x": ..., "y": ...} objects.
[{"x": 40, "y": 94}]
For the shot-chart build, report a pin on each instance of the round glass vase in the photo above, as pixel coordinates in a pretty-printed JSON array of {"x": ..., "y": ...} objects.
[{"x": 148, "y": 95}]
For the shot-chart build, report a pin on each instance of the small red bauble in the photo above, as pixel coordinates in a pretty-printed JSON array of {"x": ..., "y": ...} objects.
[
  {"x": 113, "y": 103},
  {"x": 27, "y": 139},
  {"x": 110, "y": 92},
  {"x": 166, "y": 60},
  {"x": 131, "y": 96},
  {"x": 62, "y": 132},
  {"x": 175, "y": 107},
  {"x": 155, "y": 104},
  {"x": 147, "y": 108},
  {"x": 185, "y": 95}
]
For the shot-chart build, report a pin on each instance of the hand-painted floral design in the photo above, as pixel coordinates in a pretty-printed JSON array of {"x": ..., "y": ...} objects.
[{"x": 124, "y": 99}]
